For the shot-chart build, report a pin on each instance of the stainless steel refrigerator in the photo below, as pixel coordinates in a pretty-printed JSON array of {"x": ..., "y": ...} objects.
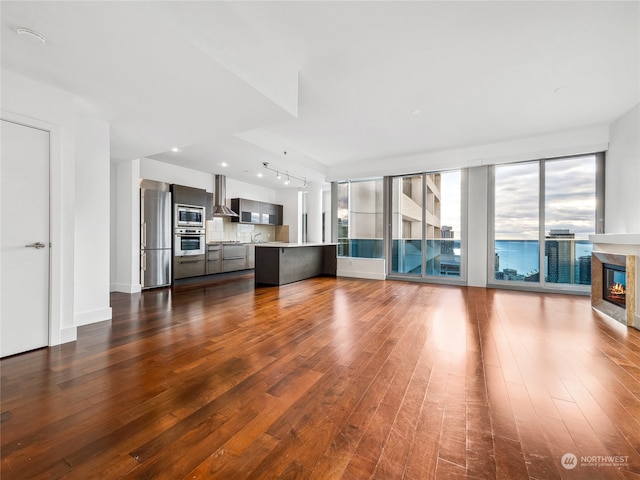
[{"x": 155, "y": 234}]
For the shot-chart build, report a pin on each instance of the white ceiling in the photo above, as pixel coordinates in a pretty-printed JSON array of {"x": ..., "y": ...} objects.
[{"x": 329, "y": 82}]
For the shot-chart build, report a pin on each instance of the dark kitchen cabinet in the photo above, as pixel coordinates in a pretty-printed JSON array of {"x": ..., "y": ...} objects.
[
  {"x": 209, "y": 206},
  {"x": 214, "y": 259},
  {"x": 251, "y": 255},
  {"x": 248, "y": 210},
  {"x": 234, "y": 257},
  {"x": 271, "y": 214},
  {"x": 257, "y": 213},
  {"x": 184, "y": 195},
  {"x": 188, "y": 266}
]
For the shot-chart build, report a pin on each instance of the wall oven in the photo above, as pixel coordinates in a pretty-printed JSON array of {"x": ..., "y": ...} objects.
[
  {"x": 189, "y": 241},
  {"x": 188, "y": 216}
]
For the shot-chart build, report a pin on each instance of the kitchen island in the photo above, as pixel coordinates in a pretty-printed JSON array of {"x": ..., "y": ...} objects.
[{"x": 282, "y": 263}]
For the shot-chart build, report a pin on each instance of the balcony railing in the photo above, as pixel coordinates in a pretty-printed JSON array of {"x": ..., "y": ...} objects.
[{"x": 565, "y": 261}]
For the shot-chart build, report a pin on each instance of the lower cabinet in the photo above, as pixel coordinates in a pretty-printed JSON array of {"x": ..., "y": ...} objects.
[
  {"x": 229, "y": 257},
  {"x": 234, "y": 257},
  {"x": 251, "y": 256},
  {"x": 188, "y": 266},
  {"x": 233, "y": 264},
  {"x": 214, "y": 259}
]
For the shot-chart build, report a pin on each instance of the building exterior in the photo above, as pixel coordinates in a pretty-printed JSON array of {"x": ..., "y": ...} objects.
[{"x": 559, "y": 252}]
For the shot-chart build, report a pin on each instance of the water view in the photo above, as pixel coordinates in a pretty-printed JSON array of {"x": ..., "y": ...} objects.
[{"x": 565, "y": 261}]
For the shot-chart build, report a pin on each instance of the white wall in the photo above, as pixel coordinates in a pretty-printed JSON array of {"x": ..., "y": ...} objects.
[
  {"x": 164, "y": 172},
  {"x": 92, "y": 220},
  {"x": 127, "y": 228},
  {"x": 314, "y": 212},
  {"x": 622, "y": 191},
  {"x": 289, "y": 199},
  {"x": 236, "y": 189},
  {"x": 371, "y": 268},
  {"x": 75, "y": 137},
  {"x": 572, "y": 142},
  {"x": 113, "y": 219}
]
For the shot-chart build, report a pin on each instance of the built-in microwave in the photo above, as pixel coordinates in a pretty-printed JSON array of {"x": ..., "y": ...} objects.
[
  {"x": 189, "y": 241},
  {"x": 189, "y": 216}
]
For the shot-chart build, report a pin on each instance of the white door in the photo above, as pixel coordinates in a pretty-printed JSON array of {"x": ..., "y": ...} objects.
[{"x": 24, "y": 254}]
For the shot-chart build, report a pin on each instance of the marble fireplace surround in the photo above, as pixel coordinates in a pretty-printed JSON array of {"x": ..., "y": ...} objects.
[{"x": 622, "y": 250}]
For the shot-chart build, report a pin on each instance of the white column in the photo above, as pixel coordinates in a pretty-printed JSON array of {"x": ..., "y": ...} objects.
[
  {"x": 477, "y": 227},
  {"x": 314, "y": 212},
  {"x": 326, "y": 209},
  {"x": 128, "y": 229}
]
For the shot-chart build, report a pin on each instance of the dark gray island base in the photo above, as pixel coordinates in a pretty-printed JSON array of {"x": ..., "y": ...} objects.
[{"x": 282, "y": 263}]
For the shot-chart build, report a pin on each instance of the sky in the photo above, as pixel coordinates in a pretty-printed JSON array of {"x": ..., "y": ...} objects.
[
  {"x": 450, "y": 200},
  {"x": 569, "y": 198}
]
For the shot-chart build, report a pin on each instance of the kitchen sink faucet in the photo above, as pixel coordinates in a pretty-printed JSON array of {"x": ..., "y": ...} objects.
[{"x": 254, "y": 237}]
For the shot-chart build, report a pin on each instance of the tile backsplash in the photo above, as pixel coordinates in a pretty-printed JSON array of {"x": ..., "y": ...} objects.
[{"x": 222, "y": 229}]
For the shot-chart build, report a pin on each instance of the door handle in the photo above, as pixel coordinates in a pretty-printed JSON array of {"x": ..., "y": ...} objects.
[
  {"x": 37, "y": 245},
  {"x": 143, "y": 234}
]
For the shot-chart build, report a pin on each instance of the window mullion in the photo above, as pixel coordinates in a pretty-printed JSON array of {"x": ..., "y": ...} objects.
[
  {"x": 424, "y": 225},
  {"x": 541, "y": 223}
]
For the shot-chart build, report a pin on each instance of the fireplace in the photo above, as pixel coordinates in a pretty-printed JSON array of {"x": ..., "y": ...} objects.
[{"x": 614, "y": 284}]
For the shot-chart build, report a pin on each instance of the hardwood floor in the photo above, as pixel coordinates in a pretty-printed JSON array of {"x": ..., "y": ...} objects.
[{"x": 325, "y": 379}]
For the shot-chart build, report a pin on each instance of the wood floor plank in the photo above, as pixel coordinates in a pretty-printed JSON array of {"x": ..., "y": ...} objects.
[{"x": 326, "y": 379}]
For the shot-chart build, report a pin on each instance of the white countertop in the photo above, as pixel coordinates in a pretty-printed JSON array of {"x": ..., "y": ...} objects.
[{"x": 292, "y": 245}]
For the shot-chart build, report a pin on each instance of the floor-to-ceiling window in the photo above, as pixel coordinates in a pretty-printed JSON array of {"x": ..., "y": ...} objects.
[
  {"x": 360, "y": 222},
  {"x": 426, "y": 224},
  {"x": 407, "y": 206},
  {"x": 543, "y": 214},
  {"x": 443, "y": 242},
  {"x": 517, "y": 222},
  {"x": 569, "y": 218}
]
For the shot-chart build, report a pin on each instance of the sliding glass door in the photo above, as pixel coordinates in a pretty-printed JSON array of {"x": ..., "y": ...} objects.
[
  {"x": 407, "y": 212},
  {"x": 569, "y": 218},
  {"x": 517, "y": 224},
  {"x": 360, "y": 212},
  {"x": 426, "y": 224},
  {"x": 544, "y": 212}
]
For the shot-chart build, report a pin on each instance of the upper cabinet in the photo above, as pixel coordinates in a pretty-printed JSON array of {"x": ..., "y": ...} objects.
[
  {"x": 271, "y": 214},
  {"x": 209, "y": 205},
  {"x": 259, "y": 213},
  {"x": 188, "y": 195}
]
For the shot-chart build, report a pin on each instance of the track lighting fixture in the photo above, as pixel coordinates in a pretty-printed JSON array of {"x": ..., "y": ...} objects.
[{"x": 285, "y": 173}]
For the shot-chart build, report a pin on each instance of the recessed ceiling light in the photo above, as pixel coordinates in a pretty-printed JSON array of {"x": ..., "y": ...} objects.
[
  {"x": 175, "y": 149},
  {"x": 224, "y": 164},
  {"x": 260, "y": 175},
  {"x": 27, "y": 33},
  {"x": 417, "y": 111}
]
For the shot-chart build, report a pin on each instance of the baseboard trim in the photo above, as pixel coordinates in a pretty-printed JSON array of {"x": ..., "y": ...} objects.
[
  {"x": 365, "y": 275},
  {"x": 68, "y": 334},
  {"x": 126, "y": 288},
  {"x": 93, "y": 316}
]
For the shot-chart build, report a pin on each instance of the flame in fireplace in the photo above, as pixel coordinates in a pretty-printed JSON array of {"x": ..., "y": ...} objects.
[{"x": 617, "y": 291}]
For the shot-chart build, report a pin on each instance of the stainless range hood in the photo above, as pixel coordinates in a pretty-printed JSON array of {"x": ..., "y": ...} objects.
[{"x": 220, "y": 198}]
